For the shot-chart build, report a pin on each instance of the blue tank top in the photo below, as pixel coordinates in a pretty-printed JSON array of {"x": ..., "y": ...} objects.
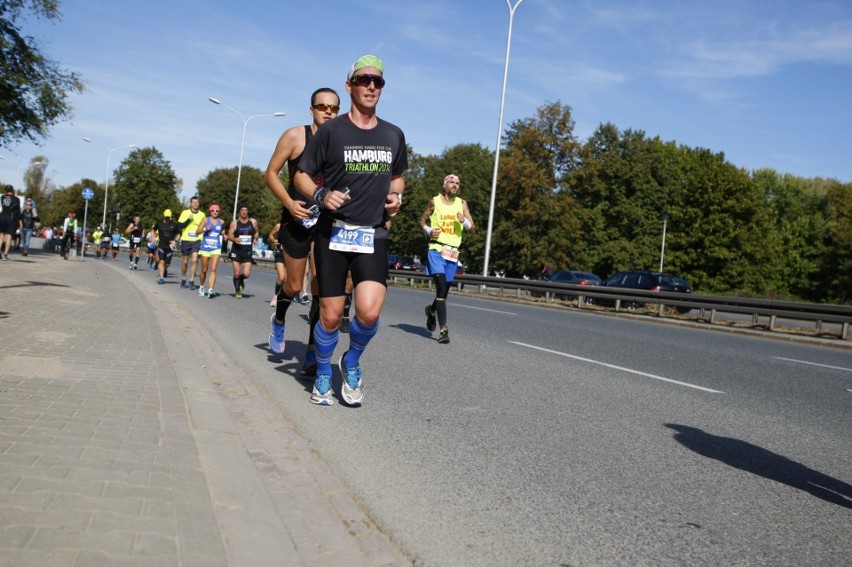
[{"x": 212, "y": 239}]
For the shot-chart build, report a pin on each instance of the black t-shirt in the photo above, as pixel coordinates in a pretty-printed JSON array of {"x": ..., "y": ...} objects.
[
  {"x": 11, "y": 207},
  {"x": 166, "y": 231},
  {"x": 362, "y": 160}
]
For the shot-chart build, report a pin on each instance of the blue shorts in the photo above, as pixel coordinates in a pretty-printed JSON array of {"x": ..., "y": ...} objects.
[{"x": 436, "y": 264}]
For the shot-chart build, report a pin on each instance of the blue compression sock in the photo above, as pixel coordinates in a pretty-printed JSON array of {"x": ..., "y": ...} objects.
[
  {"x": 324, "y": 344},
  {"x": 359, "y": 335}
]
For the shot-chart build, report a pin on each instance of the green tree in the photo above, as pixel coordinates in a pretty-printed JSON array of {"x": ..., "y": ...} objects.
[
  {"x": 145, "y": 185},
  {"x": 800, "y": 213},
  {"x": 34, "y": 90},
  {"x": 838, "y": 261},
  {"x": 36, "y": 182},
  {"x": 535, "y": 217},
  {"x": 54, "y": 208}
]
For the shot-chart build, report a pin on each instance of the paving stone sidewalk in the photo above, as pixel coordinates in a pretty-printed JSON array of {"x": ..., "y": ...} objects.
[{"x": 113, "y": 452}]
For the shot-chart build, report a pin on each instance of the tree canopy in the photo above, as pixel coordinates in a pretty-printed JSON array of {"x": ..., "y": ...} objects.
[
  {"x": 145, "y": 185},
  {"x": 34, "y": 89}
]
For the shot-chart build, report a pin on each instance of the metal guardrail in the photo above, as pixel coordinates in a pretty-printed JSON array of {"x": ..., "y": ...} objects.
[{"x": 709, "y": 306}]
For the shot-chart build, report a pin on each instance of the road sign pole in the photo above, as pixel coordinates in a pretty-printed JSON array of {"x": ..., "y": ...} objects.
[{"x": 88, "y": 193}]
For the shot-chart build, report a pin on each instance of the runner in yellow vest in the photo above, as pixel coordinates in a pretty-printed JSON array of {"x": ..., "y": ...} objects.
[
  {"x": 190, "y": 240},
  {"x": 447, "y": 216}
]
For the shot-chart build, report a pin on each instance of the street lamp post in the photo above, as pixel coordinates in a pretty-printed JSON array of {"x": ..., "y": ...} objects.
[
  {"x": 242, "y": 144},
  {"x": 663, "y": 247},
  {"x": 512, "y": 9},
  {"x": 106, "y": 175}
]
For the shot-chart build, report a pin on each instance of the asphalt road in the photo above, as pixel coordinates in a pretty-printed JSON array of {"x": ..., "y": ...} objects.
[{"x": 562, "y": 438}]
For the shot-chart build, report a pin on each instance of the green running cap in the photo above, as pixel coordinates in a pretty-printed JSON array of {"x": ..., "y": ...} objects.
[{"x": 366, "y": 61}]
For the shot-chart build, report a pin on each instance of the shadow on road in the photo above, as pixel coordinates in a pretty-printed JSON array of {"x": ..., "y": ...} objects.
[{"x": 759, "y": 461}]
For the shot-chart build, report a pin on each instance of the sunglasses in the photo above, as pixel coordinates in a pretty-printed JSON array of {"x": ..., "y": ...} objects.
[
  {"x": 214, "y": 210},
  {"x": 326, "y": 107},
  {"x": 365, "y": 80}
]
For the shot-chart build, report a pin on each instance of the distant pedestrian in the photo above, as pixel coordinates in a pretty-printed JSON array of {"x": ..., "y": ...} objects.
[
  {"x": 447, "y": 216},
  {"x": 243, "y": 236},
  {"x": 28, "y": 219},
  {"x": 115, "y": 243},
  {"x": 280, "y": 266},
  {"x": 10, "y": 219},
  {"x": 167, "y": 232},
  {"x": 136, "y": 230},
  {"x": 211, "y": 249},
  {"x": 69, "y": 230},
  {"x": 190, "y": 241}
]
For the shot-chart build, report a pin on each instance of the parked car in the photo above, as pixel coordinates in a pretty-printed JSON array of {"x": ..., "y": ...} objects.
[
  {"x": 573, "y": 277},
  {"x": 396, "y": 262},
  {"x": 651, "y": 281}
]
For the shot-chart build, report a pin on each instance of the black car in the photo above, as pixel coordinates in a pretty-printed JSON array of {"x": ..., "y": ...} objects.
[
  {"x": 651, "y": 281},
  {"x": 573, "y": 277}
]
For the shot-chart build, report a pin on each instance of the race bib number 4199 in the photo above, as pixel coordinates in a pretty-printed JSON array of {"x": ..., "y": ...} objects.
[{"x": 352, "y": 238}]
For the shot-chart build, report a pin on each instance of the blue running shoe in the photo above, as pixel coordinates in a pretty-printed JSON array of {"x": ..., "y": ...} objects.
[
  {"x": 276, "y": 336},
  {"x": 161, "y": 281},
  {"x": 309, "y": 366},
  {"x": 322, "y": 393},
  {"x": 352, "y": 392}
]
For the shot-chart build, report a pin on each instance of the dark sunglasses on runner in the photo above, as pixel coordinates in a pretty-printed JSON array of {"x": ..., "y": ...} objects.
[
  {"x": 326, "y": 107},
  {"x": 365, "y": 80}
]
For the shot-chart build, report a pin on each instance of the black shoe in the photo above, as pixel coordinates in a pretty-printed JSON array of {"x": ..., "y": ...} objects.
[
  {"x": 431, "y": 322},
  {"x": 444, "y": 337}
]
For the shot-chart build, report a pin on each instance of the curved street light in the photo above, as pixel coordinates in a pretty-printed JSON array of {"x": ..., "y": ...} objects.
[
  {"x": 512, "y": 9},
  {"x": 106, "y": 175},
  {"x": 242, "y": 143}
]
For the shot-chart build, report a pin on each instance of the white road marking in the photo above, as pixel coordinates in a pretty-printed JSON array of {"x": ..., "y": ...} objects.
[
  {"x": 483, "y": 309},
  {"x": 630, "y": 370},
  {"x": 813, "y": 363}
]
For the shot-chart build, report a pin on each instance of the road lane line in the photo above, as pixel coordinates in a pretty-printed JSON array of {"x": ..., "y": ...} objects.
[
  {"x": 630, "y": 370},
  {"x": 483, "y": 309},
  {"x": 812, "y": 363}
]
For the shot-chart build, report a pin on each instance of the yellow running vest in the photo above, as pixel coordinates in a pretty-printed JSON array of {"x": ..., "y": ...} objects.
[{"x": 445, "y": 217}]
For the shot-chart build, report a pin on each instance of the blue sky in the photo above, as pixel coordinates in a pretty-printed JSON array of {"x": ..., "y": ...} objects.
[{"x": 768, "y": 83}]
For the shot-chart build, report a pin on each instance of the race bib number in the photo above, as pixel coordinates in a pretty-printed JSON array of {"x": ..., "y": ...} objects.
[
  {"x": 137, "y": 240},
  {"x": 192, "y": 234},
  {"x": 211, "y": 241},
  {"x": 352, "y": 238},
  {"x": 245, "y": 239},
  {"x": 450, "y": 253}
]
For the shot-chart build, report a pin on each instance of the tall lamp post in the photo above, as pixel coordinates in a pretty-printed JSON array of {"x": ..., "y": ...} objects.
[
  {"x": 106, "y": 175},
  {"x": 663, "y": 247},
  {"x": 512, "y": 9},
  {"x": 242, "y": 143}
]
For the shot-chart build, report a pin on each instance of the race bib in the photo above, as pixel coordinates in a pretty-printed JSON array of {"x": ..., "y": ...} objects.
[
  {"x": 450, "y": 253},
  {"x": 245, "y": 239},
  {"x": 211, "y": 241},
  {"x": 192, "y": 234},
  {"x": 137, "y": 240},
  {"x": 352, "y": 238}
]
